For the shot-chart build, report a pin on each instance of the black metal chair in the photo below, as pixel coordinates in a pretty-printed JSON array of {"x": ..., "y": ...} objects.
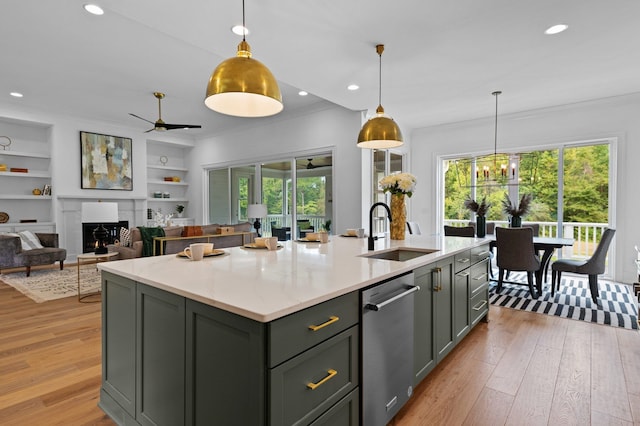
[
  {"x": 459, "y": 231},
  {"x": 282, "y": 232},
  {"x": 593, "y": 267},
  {"x": 516, "y": 253}
]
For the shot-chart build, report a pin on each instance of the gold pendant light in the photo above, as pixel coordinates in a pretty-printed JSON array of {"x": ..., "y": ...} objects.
[
  {"x": 380, "y": 132},
  {"x": 242, "y": 86}
]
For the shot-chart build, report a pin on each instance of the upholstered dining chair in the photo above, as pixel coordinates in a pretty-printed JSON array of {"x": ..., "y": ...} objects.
[
  {"x": 459, "y": 231},
  {"x": 593, "y": 267},
  {"x": 516, "y": 253},
  {"x": 413, "y": 228}
]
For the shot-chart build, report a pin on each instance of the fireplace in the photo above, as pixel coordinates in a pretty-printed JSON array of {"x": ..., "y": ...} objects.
[{"x": 89, "y": 243}]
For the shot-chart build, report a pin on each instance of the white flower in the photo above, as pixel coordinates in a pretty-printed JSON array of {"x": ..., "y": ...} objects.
[{"x": 399, "y": 183}]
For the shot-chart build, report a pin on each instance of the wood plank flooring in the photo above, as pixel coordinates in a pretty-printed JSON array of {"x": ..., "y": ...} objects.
[{"x": 520, "y": 368}]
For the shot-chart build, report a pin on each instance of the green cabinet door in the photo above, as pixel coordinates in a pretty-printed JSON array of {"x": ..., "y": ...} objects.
[
  {"x": 444, "y": 335},
  {"x": 461, "y": 313},
  {"x": 160, "y": 355},
  {"x": 423, "y": 356},
  {"x": 118, "y": 344},
  {"x": 225, "y": 368}
]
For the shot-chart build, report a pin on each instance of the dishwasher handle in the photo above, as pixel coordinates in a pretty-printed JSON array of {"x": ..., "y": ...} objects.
[{"x": 378, "y": 306}]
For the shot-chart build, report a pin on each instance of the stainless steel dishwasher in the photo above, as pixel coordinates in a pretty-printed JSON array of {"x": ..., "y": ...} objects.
[{"x": 387, "y": 348}]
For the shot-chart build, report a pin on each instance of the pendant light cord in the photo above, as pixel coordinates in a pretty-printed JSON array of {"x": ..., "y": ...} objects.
[
  {"x": 495, "y": 134},
  {"x": 380, "y": 78},
  {"x": 244, "y": 27}
]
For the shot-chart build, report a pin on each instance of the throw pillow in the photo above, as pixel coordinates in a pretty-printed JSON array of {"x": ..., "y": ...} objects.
[
  {"x": 29, "y": 241},
  {"x": 125, "y": 237}
]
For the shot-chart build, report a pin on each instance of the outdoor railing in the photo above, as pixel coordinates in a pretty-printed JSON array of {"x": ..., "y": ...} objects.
[
  {"x": 586, "y": 235},
  {"x": 285, "y": 220}
]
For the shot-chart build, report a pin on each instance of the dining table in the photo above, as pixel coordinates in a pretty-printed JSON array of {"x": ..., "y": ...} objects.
[{"x": 546, "y": 245}]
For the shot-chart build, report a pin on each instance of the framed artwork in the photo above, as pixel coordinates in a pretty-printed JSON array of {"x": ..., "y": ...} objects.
[{"x": 106, "y": 162}]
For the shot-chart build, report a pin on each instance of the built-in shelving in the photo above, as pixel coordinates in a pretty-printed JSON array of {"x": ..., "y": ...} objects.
[{"x": 167, "y": 160}]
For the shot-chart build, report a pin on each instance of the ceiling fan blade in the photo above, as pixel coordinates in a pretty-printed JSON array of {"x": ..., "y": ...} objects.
[
  {"x": 150, "y": 130},
  {"x": 181, "y": 126},
  {"x": 144, "y": 119}
]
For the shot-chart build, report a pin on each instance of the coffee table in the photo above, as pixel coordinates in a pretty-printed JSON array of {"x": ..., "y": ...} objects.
[{"x": 92, "y": 258}]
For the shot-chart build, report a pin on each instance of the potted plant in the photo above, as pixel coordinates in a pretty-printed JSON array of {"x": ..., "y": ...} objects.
[
  {"x": 180, "y": 209},
  {"x": 480, "y": 209},
  {"x": 514, "y": 212},
  {"x": 327, "y": 226}
]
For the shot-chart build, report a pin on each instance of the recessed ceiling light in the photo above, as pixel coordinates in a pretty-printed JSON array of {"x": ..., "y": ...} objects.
[
  {"x": 16, "y": 94},
  {"x": 94, "y": 9},
  {"x": 240, "y": 30},
  {"x": 556, "y": 29},
  {"x": 303, "y": 93},
  {"x": 353, "y": 87}
]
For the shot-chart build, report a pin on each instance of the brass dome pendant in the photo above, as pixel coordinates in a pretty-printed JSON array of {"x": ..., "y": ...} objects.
[
  {"x": 243, "y": 87},
  {"x": 380, "y": 131}
]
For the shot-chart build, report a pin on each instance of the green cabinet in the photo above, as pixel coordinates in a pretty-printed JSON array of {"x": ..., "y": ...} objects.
[
  {"x": 443, "y": 304},
  {"x": 169, "y": 360}
]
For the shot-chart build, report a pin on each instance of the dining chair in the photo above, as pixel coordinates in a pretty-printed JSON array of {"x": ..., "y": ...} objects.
[
  {"x": 515, "y": 252},
  {"x": 413, "y": 228},
  {"x": 459, "y": 231},
  {"x": 593, "y": 266},
  {"x": 491, "y": 227}
]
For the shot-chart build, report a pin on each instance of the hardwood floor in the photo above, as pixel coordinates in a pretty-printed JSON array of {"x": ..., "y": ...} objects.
[{"x": 520, "y": 368}]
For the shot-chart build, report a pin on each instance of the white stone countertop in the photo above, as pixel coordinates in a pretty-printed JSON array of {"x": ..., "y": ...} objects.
[{"x": 265, "y": 285}]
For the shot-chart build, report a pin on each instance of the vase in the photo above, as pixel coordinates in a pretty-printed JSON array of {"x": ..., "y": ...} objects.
[
  {"x": 481, "y": 226},
  {"x": 398, "y": 216},
  {"x": 516, "y": 221}
]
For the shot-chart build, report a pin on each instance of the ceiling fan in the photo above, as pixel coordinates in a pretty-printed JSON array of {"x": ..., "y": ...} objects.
[
  {"x": 310, "y": 165},
  {"x": 161, "y": 126}
]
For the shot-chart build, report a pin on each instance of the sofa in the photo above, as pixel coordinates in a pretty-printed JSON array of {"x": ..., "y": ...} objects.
[
  {"x": 15, "y": 254},
  {"x": 136, "y": 247}
]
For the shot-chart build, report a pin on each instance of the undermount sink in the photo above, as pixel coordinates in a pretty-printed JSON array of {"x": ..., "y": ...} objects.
[{"x": 399, "y": 254}]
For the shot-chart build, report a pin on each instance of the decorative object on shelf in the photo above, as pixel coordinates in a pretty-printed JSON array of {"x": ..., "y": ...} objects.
[
  {"x": 4, "y": 144},
  {"x": 380, "y": 131},
  {"x": 46, "y": 190},
  {"x": 480, "y": 209},
  {"x": 514, "y": 212},
  {"x": 149, "y": 214},
  {"x": 3, "y": 167},
  {"x": 157, "y": 194},
  {"x": 163, "y": 160},
  {"x": 242, "y": 86},
  {"x": 19, "y": 170},
  {"x": 36, "y": 191},
  {"x": 399, "y": 185},
  {"x": 100, "y": 213},
  {"x": 257, "y": 212},
  {"x": 4, "y": 217},
  {"x": 166, "y": 195},
  {"x": 160, "y": 125},
  {"x": 28, "y": 220},
  {"x": 162, "y": 220},
  {"x": 106, "y": 162},
  {"x": 180, "y": 209}
]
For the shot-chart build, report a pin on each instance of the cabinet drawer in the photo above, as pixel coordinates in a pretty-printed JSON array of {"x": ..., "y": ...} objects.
[
  {"x": 331, "y": 369},
  {"x": 479, "y": 304},
  {"x": 479, "y": 275},
  {"x": 344, "y": 413},
  {"x": 302, "y": 330},
  {"x": 479, "y": 253},
  {"x": 462, "y": 260}
]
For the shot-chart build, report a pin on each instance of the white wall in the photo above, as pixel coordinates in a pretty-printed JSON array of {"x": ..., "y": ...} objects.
[
  {"x": 328, "y": 127},
  {"x": 617, "y": 117}
]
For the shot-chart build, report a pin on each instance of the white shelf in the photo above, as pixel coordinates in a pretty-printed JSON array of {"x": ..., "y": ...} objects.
[
  {"x": 168, "y": 168},
  {"x": 30, "y": 174},
  {"x": 24, "y": 154},
  {"x": 164, "y": 182},
  {"x": 25, "y": 197},
  {"x": 26, "y": 224},
  {"x": 164, "y": 200}
]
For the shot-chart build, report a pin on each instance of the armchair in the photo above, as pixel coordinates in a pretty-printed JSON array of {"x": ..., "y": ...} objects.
[{"x": 12, "y": 254}]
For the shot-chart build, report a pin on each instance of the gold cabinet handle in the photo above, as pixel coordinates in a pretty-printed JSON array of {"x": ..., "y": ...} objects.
[
  {"x": 462, "y": 274},
  {"x": 465, "y": 260},
  {"x": 332, "y": 319},
  {"x": 437, "y": 285},
  {"x": 330, "y": 373},
  {"x": 483, "y": 253},
  {"x": 481, "y": 277}
]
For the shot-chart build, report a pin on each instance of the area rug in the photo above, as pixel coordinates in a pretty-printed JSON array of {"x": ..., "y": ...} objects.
[
  {"x": 618, "y": 306},
  {"x": 51, "y": 284}
]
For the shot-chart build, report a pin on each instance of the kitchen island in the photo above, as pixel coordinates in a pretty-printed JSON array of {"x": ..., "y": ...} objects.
[{"x": 231, "y": 339}]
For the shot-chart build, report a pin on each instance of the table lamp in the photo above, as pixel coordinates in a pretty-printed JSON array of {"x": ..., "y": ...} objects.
[
  {"x": 257, "y": 212},
  {"x": 100, "y": 213}
]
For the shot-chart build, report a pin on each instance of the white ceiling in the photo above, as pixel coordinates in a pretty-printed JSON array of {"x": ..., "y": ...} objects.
[{"x": 441, "y": 63}]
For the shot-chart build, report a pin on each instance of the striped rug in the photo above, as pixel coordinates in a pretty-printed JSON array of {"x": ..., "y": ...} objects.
[{"x": 618, "y": 306}]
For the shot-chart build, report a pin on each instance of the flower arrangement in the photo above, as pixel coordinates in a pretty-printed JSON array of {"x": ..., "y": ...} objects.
[
  {"x": 179, "y": 208},
  {"x": 399, "y": 183},
  {"x": 522, "y": 209},
  {"x": 480, "y": 209}
]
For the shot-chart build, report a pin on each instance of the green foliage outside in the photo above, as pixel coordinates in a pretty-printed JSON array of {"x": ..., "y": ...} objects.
[
  {"x": 310, "y": 196},
  {"x": 586, "y": 186}
]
